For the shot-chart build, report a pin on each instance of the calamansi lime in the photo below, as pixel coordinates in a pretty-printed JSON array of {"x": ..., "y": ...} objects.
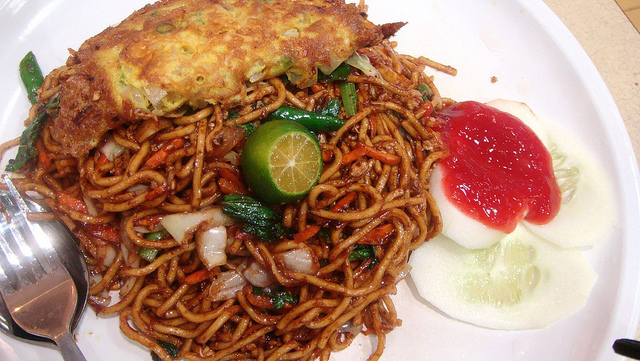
[{"x": 281, "y": 161}]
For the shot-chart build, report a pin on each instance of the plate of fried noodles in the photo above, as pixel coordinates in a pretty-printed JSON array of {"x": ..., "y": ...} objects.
[{"x": 304, "y": 295}]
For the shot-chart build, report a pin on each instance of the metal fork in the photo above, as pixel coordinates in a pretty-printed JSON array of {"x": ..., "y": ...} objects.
[{"x": 39, "y": 293}]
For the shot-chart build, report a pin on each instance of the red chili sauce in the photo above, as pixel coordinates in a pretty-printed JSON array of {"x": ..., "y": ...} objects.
[{"x": 498, "y": 171}]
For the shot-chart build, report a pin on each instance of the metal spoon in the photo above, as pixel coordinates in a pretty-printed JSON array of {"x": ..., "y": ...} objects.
[{"x": 73, "y": 260}]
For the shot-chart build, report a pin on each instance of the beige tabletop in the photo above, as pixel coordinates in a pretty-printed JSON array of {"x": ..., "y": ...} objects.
[{"x": 613, "y": 44}]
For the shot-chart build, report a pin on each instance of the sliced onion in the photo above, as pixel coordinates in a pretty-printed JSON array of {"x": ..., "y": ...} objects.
[
  {"x": 257, "y": 275},
  {"x": 403, "y": 273},
  {"x": 301, "y": 260},
  {"x": 100, "y": 301},
  {"x": 108, "y": 255},
  {"x": 211, "y": 245},
  {"x": 155, "y": 95},
  {"x": 134, "y": 94},
  {"x": 138, "y": 189},
  {"x": 91, "y": 205},
  {"x": 349, "y": 327},
  {"x": 182, "y": 225},
  {"x": 362, "y": 62},
  {"x": 334, "y": 62},
  {"x": 232, "y": 157},
  {"x": 111, "y": 149},
  {"x": 127, "y": 286},
  {"x": 225, "y": 286},
  {"x": 94, "y": 279}
]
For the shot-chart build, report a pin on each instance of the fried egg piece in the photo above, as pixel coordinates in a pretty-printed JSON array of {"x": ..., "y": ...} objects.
[{"x": 175, "y": 54}]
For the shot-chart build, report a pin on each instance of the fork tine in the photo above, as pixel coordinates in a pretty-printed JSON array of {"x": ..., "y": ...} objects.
[
  {"x": 14, "y": 269},
  {"x": 20, "y": 240},
  {"x": 37, "y": 233},
  {"x": 29, "y": 237}
]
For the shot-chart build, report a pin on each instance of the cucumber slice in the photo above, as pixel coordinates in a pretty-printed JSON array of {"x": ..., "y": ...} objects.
[{"x": 521, "y": 282}]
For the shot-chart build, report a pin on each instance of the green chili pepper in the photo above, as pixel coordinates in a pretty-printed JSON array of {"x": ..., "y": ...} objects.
[
  {"x": 332, "y": 108},
  {"x": 150, "y": 254},
  {"x": 349, "y": 98},
  {"x": 31, "y": 76},
  {"x": 312, "y": 121},
  {"x": 155, "y": 236}
]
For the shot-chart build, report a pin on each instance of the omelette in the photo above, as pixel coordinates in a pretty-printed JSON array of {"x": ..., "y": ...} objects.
[{"x": 185, "y": 54}]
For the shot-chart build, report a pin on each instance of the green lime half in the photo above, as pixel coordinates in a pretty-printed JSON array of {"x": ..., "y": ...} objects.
[{"x": 281, "y": 161}]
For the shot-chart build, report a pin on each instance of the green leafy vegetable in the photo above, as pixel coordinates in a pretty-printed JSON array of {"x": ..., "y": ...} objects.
[
  {"x": 425, "y": 90},
  {"x": 325, "y": 234},
  {"x": 248, "y": 128},
  {"x": 257, "y": 218},
  {"x": 278, "y": 299},
  {"x": 171, "y": 349},
  {"x": 27, "y": 149},
  {"x": 362, "y": 252}
]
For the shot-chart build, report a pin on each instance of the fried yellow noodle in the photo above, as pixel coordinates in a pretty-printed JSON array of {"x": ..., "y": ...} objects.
[{"x": 378, "y": 198}]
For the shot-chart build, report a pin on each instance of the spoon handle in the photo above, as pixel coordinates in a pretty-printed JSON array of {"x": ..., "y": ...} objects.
[{"x": 68, "y": 348}]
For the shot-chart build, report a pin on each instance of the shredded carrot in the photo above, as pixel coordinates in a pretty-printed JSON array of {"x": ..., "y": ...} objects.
[
  {"x": 343, "y": 202},
  {"x": 305, "y": 235},
  {"x": 378, "y": 235},
  {"x": 428, "y": 110},
  {"x": 159, "y": 157},
  {"x": 156, "y": 192},
  {"x": 229, "y": 187},
  {"x": 43, "y": 157},
  {"x": 149, "y": 222},
  {"x": 363, "y": 149},
  {"x": 317, "y": 88},
  {"x": 72, "y": 202},
  {"x": 197, "y": 277},
  {"x": 233, "y": 178},
  {"x": 382, "y": 156},
  {"x": 102, "y": 160},
  {"x": 106, "y": 232},
  {"x": 327, "y": 155},
  {"x": 354, "y": 154}
]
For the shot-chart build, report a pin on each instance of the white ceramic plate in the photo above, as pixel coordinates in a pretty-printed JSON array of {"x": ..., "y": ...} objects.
[{"x": 534, "y": 59}]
